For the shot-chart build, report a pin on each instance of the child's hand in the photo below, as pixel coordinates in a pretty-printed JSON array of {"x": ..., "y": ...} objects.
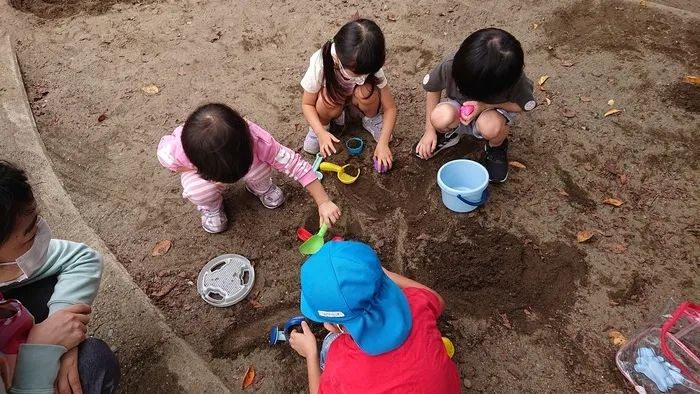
[
  {"x": 326, "y": 141},
  {"x": 304, "y": 343},
  {"x": 479, "y": 107},
  {"x": 328, "y": 213},
  {"x": 426, "y": 145},
  {"x": 384, "y": 157}
]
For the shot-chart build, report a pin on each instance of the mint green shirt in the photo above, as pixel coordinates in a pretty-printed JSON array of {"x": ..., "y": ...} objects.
[{"x": 79, "y": 270}]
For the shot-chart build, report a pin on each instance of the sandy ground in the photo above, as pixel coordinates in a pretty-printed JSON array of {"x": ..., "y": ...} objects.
[{"x": 516, "y": 258}]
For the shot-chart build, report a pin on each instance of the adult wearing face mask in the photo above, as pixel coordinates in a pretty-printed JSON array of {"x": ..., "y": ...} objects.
[{"x": 55, "y": 280}]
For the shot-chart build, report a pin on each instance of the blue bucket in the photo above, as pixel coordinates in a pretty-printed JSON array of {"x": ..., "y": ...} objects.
[{"x": 464, "y": 185}]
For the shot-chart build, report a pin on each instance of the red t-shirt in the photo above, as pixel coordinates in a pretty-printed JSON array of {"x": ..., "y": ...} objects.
[{"x": 419, "y": 366}]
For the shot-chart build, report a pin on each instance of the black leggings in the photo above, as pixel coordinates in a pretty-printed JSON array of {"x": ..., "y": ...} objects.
[{"x": 97, "y": 365}]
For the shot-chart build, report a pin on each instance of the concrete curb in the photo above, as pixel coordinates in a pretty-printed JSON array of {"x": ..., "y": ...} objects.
[{"x": 124, "y": 316}]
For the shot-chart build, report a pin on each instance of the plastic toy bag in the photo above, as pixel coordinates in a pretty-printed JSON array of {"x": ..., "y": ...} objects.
[{"x": 665, "y": 356}]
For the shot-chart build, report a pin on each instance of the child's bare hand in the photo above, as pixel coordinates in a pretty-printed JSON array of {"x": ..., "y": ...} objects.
[
  {"x": 326, "y": 141},
  {"x": 305, "y": 342},
  {"x": 384, "y": 157},
  {"x": 328, "y": 213},
  {"x": 426, "y": 145},
  {"x": 479, "y": 107}
]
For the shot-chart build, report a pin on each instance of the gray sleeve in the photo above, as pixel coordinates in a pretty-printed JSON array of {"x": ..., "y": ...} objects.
[
  {"x": 437, "y": 79},
  {"x": 521, "y": 94}
]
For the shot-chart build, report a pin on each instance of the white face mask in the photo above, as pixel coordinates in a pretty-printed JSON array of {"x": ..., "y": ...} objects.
[
  {"x": 36, "y": 256},
  {"x": 357, "y": 80}
]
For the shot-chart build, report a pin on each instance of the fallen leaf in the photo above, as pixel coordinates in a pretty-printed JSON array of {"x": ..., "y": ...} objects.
[
  {"x": 356, "y": 15},
  {"x": 391, "y": 18},
  {"x": 423, "y": 236},
  {"x": 548, "y": 100},
  {"x": 161, "y": 248},
  {"x": 642, "y": 3},
  {"x": 517, "y": 164},
  {"x": 164, "y": 291},
  {"x": 588, "y": 167},
  {"x": 150, "y": 89},
  {"x": 527, "y": 312},
  {"x": 542, "y": 80},
  {"x": 102, "y": 118},
  {"x": 534, "y": 26},
  {"x": 215, "y": 36},
  {"x": 583, "y": 236},
  {"x": 611, "y": 102},
  {"x": 617, "y": 338},
  {"x": 256, "y": 304},
  {"x": 692, "y": 79},
  {"x": 248, "y": 377},
  {"x": 564, "y": 193},
  {"x": 612, "y": 167},
  {"x": 613, "y": 201},
  {"x": 568, "y": 63},
  {"x": 613, "y": 303},
  {"x": 618, "y": 248},
  {"x": 623, "y": 179},
  {"x": 612, "y": 112},
  {"x": 506, "y": 322},
  {"x": 568, "y": 113}
]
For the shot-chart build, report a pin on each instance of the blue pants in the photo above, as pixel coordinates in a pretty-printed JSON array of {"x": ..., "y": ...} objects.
[{"x": 98, "y": 367}]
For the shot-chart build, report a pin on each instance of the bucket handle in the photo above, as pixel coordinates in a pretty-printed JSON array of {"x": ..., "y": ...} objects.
[{"x": 484, "y": 197}]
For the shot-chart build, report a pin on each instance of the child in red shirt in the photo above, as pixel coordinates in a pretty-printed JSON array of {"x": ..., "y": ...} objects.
[{"x": 383, "y": 327}]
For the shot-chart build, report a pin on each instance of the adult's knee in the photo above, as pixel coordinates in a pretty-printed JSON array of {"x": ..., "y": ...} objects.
[{"x": 98, "y": 367}]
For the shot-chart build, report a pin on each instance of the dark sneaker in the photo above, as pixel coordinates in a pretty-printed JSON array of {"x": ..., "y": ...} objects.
[
  {"x": 444, "y": 141},
  {"x": 496, "y": 162}
]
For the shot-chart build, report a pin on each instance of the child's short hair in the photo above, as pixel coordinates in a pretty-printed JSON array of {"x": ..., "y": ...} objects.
[
  {"x": 16, "y": 198},
  {"x": 216, "y": 139},
  {"x": 488, "y": 63}
]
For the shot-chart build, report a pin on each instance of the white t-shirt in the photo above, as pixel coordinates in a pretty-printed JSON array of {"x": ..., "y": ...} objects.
[{"x": 313, "y": 79}]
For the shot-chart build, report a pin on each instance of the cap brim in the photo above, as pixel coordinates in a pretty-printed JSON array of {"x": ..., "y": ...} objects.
[{"x": 386, "y": 324}]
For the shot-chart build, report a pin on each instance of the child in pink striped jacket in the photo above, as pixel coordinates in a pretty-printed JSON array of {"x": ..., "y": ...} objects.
[{"x": 216, "y": 146}]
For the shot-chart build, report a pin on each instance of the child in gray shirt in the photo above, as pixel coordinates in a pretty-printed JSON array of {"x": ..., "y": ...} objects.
[{"x": 485, "y": 87}]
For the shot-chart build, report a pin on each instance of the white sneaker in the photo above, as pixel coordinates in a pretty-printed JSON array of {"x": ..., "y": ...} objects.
[
  {"x": 374, "y": 125},
  {"x": 272, "y": 198},
  {"x": 311, "y": 144},
  {"x": 215, "y": 221}
]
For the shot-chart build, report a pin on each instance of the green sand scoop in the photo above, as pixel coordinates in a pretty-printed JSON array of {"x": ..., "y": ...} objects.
[{"x": 315, "y": 243}]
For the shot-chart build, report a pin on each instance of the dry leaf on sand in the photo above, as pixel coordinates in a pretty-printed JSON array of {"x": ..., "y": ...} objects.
[
  {"x": 534, "y": 26},
  {"x": 618, "y": 248},
  {"x": 613, "y": 111},
  {"x": 617, "y": 338},
  {"x": 588, "y": 167},
  {"x": 162, "y": 247},
  {"x": 542, "y": 80},
  {"x": 517, "y": 164},
  {"x": 693, "y": 79},
  {"x": 568, "y": 113},
  {"x": 611, "y": 102},
  {"x": 248, "y": 377},
  {"x": 583, "y": 236},
  {"x": 613, "y": 201},
  {"x": 150, "y": 89}
]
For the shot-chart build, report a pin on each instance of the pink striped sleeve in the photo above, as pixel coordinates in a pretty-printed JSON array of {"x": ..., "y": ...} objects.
[{"x": 281, "y": 158}]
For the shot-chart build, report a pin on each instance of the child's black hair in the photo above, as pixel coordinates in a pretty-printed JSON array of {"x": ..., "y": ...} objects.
[
  {"x": 16, "y": 198},
  {"x": 217, "y": 140},
  {"x": 488, "y": 63},
  {"x": 360, "y": 48}
]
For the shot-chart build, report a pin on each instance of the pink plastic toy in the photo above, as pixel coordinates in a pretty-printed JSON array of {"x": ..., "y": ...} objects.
[{"x": 466, "y": 110}]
